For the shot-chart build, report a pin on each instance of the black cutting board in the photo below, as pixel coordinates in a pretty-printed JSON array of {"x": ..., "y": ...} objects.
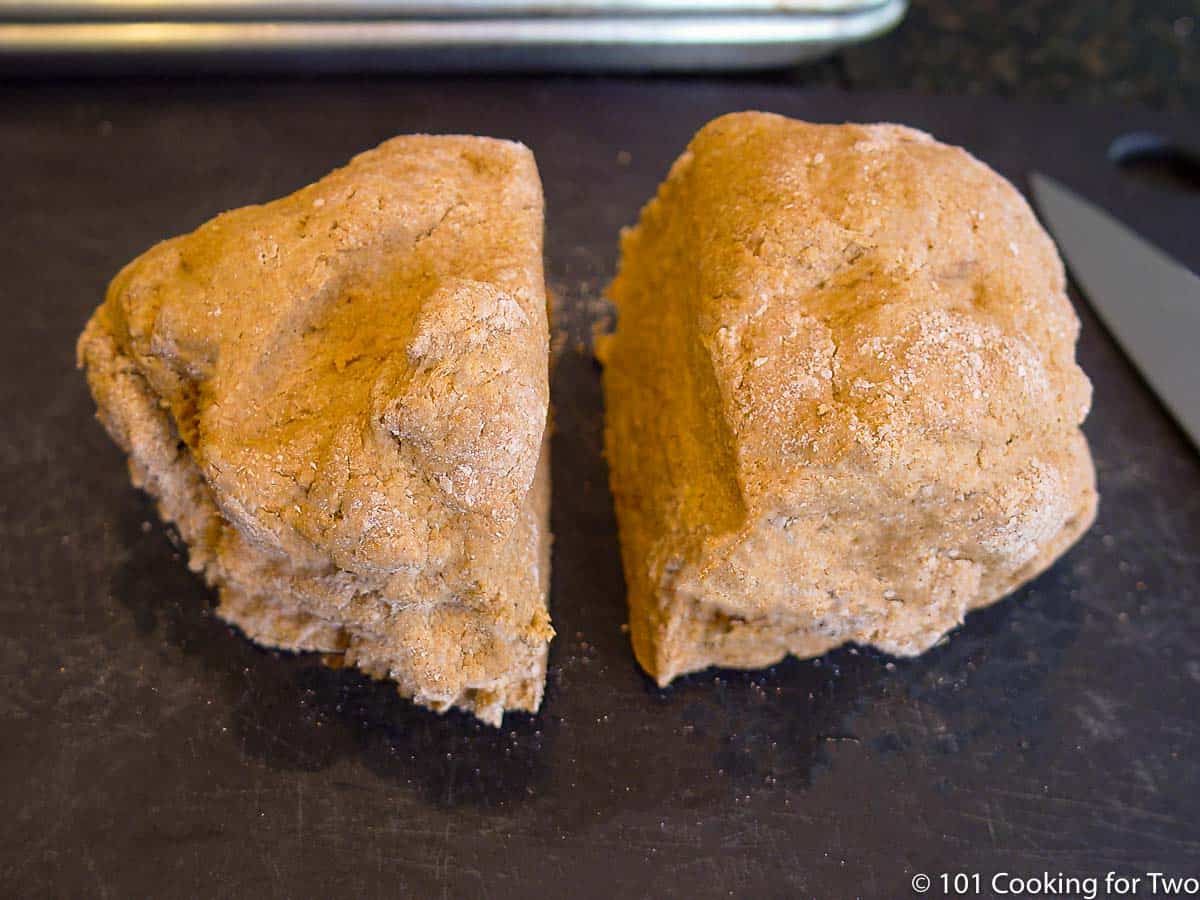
[{"x": 147, "y": 748}]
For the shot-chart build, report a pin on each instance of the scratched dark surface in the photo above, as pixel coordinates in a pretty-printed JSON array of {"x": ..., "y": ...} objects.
[{"x": 146, "y": 748}]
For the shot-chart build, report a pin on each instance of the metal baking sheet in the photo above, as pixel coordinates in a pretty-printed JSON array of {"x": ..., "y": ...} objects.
[
  {"x": 650, "y": 41},
  {"x": 274, "y": 10},
  {"x": 148, "y": 749}
]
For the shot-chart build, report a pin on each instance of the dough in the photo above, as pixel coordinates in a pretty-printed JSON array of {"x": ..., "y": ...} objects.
[
  {"x": 340, "y": 400},
  {"x": 843, "y": 403}
]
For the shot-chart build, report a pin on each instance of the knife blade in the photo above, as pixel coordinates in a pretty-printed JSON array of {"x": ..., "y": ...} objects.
[{"x": 1147, "y": 300}]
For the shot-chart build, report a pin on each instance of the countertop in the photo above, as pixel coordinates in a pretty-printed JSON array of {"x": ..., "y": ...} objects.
[
  {"x": 1124, "y": 52},
  {"x": 1117, "y": 51}
]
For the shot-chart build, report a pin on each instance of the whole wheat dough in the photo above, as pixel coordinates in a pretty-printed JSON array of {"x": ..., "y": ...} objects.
[
  {"x": 843, "y": 403},
  {"x": 340, "y": 399}
]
